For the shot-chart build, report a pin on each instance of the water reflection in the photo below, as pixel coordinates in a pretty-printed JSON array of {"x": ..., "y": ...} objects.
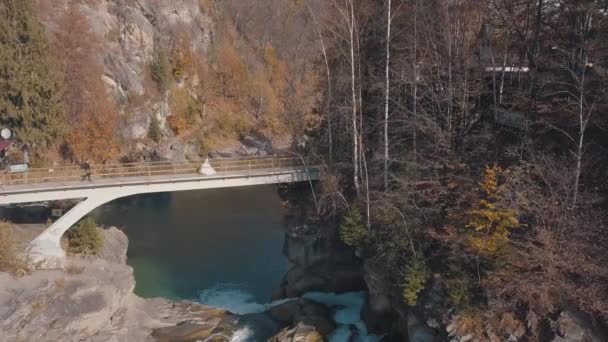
[{"x": 185, "y": 242}]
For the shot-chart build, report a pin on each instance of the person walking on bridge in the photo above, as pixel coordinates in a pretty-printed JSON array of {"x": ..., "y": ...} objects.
[{"x": 87, "y": 170}]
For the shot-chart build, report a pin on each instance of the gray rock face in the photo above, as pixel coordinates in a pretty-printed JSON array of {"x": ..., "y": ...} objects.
[
  {"x": 176, "y": 149},
  {"x": 304, "y": 311},
  {"x": 419, "y": 332},
  {"x": 379, "y": 310},
  {"x": 256, "y": 145},
  {"x": 55, "y": 306},
  {"x": 573, "y": 327},
  {"x": 247, "y": 146},
  {"x": 131, "y": 30},
  {"x": 379, "y": 291},
  {"x": 320, "y": 263},
  {"x": 115, "y": 245},
  {"x": 93, "y": 300},
  {"x": 130, "y": 33}
]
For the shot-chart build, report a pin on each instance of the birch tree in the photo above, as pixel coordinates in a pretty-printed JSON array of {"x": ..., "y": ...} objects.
[
  {"x": 329, "y": 84},
  {"x": 346, "y": 10},
  {"x": 389, "y": 20}
]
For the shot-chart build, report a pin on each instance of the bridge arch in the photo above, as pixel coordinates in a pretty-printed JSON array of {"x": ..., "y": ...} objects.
[{"x": 45, "y": 250}]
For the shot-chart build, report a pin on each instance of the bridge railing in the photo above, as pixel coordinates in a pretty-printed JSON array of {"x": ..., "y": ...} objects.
[{"x": 72, "y": 173}]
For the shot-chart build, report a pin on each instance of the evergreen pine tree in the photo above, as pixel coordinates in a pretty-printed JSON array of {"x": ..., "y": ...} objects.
[
  {"x": 352, "y": 230},
  {"x": 154, "y": 131},
  {"x": 30, "y": 92},
  {"x": 161, "y": 69}
]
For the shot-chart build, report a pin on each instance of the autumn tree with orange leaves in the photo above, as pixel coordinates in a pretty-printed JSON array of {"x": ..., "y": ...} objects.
[{"x": 91, "y": 113}]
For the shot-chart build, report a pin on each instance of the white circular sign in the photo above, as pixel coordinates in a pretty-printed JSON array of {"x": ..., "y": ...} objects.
[{"x": 6, "y": 133}]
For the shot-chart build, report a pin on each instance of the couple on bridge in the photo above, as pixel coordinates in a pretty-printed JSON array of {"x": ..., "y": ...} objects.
[{"x": 205, "y": 169}]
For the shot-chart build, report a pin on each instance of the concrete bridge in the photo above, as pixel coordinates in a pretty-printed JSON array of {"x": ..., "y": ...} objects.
[{"x": 110, "y": 182}]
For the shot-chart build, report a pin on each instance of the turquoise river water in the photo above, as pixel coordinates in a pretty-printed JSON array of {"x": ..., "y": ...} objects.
[{"x": 220, "y": 247}]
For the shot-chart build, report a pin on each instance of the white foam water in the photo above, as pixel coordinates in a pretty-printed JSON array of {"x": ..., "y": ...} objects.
[
  {"x": 242, "y": 335},
  {"x": 347, "y": 315},
  {"x": 346, "y": 309},
  {"x": 233, "y": 298}
]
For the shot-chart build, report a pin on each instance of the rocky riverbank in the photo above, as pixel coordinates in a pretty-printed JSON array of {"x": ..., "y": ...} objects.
[
  {"x": 321, "y": 262},
  {"x": 93, "y": 300}
]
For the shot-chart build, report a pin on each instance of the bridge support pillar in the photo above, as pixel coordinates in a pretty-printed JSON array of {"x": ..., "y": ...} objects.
[{"x": 45, "y": 252}]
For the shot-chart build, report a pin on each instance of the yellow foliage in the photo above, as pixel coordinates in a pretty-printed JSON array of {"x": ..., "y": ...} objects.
[
  {"x": 490, "y": 222},
  {"x": 182, "y": 58},
  {"x": 471, "y": 322},
  {"x": 93, "y": 135},
  {"x": 306, "y": 99},
  {"x": 416, "y": 275},
  {"x": 240, "y": 95},
  {"x": 270, "y": 55},
  {"x": 10, "y": 260},
  {"x": 232, "y": 71},
  {"x": 229, "y": 118},
  {"x": 185, "y": 109},
  {"x": 205, "y": 5},
  {"x": 487, "y": 324},
  {"x": 353, "y": 231},
  {"x": 458, "y": 291}
]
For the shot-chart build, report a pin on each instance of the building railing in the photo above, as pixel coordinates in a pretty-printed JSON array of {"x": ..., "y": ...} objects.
[{"x": 71, "y": 173}]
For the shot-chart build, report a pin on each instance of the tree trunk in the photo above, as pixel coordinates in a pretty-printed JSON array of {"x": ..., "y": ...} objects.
[
  {"x": 329, "y": 91},
  {"x": 415, "y": 82},
  {"x": 582, "y": 125},
  {"x": 354, "y": 101},
  {"x": 387, "y": 97}
]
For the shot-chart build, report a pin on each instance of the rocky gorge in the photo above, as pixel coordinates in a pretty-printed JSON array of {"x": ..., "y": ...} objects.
[
  {"x": 92, "y": 299},
  {"x": 128, "y": 37},
  {"x": 322, "y": 262}
]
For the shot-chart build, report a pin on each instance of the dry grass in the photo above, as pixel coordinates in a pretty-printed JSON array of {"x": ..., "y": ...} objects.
[
  {"x": 10, "y": 260},
  {"x": 488, "y": 325}
]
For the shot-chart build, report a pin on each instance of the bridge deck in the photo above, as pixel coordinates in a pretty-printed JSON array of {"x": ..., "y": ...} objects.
[
  {"x": 120, "y": 181},
  {"x": 70, "y": 177}
]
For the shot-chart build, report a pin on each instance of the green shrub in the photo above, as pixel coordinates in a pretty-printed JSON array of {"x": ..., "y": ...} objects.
[
  {"x": 85, "y": 238},
  {"x": 352, "y": 230},
  {"x": 154, "y": 131},
  {"x": 415, "y": 279},
  {"x": 458, "y": 292},
  {"x": 185, "y": 110},
  {"x": 161, "y": 70}
]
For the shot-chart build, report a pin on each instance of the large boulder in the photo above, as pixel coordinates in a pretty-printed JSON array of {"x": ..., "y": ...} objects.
[
  {"x": 55, "y": 306},
  {"x": 304, "y": 311},
  {"x": 379, "y": 306},
  {"x": 324, "y": 276},
  {"x": 198, "y": 323},
  {"x": 114, "y": 247},
  {"x": 300, "y": 333},
  {"x": 575, "y": 327},
  {"x": 93, "y": 300},
  {"x": 320, "y": 262},
  {"x": 256, "y": 145},
  {"x": 420, "y": 332}
]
